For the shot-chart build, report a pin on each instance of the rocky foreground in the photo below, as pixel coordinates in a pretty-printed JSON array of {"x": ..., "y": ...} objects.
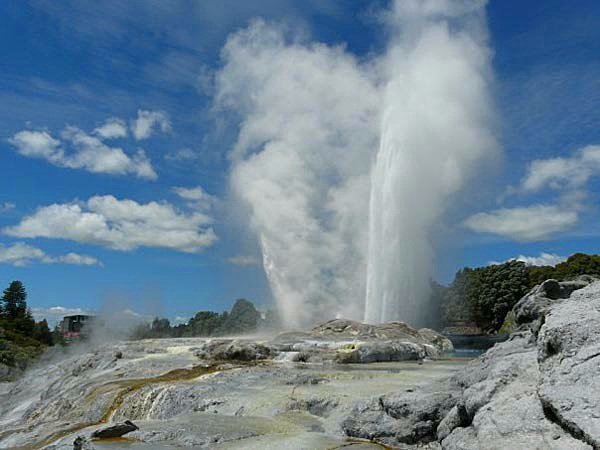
[
  {"x": 291, "y": 391},
  {"x": 343, "y": 384},
  {"x": 538, "y": 390}
]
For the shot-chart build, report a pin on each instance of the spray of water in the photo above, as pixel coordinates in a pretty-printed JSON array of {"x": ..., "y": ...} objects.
[
  {"x": 345, "y": 165},
  {"x": 435, "y": 127}
]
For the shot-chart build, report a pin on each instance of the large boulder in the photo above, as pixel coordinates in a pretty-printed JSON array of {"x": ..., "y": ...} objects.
[
  {"x": 115, "y": 431},
  {"x": 344, "y": 328},
  {"x": 348, "y": 341},
  {"x": 569, "y": 358},
  {"x": 234, "y": 350},
  {"x": 409, "y": 417},
  {"x": 533, "y": 306},
  {"x": 379, "y": 351},
  {"x": 390, "y": 332}
]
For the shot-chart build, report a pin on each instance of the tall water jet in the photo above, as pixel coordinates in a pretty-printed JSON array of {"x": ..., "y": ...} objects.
[{"x": 435, "y": 127}]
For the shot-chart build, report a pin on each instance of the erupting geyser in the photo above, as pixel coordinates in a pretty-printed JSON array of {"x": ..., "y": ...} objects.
[
  {"x": 346, "y": 166},
  {"x": 435, "y": 126}
]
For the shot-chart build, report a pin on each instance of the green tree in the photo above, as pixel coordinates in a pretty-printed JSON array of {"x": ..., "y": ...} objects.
[
  {"x": 14, "y": 300},
  {"x": 42, "y": 333},
  {"x": 24, "y": 323},
  {"x": 539, "y": 274},
  {"x": 494, "y": 290},
  {"x": 205, "y": 323},
  {"x": 577, "y": 264},
  {"x": 485, "y": 295},
  {"x": 454, "y": 305},
  {"x": 242, "y": 318}
]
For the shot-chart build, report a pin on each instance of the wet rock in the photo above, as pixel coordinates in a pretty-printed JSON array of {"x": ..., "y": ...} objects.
[
  {"x": 438, "y": 340},
  {"x": 344, "y": 328},
  {"x": 304, "y": 379},
  {"x": 167, "y": 400},
  {"x": 81, "y": 443},
  {"x": 235, "y": 350},
  {"x": 347, "y": 341},
  {"x": 293, "y": 357},
  {"x": 408, "y": 417},
  {"x": 317, "y": 406},
  {"x": 377, "y": 351},
  {"x": 114, "y": 431}
]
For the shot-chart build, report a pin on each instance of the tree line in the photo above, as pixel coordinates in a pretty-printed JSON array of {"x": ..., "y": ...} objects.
[
  {"x": 243, "y": 318},
  {"x": 485, "y": 295}
]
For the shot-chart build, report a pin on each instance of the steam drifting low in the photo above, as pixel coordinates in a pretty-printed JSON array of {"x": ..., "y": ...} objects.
[{"x": 345, "y": 166}]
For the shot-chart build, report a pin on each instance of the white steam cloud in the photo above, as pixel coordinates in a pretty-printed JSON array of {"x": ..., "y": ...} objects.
[
  {"x": 346, "y": 165},
  {"x": 309, "y": 124}
]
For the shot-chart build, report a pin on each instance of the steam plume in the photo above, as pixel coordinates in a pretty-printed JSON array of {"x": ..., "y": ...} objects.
[{"x": 345, "y": 164}]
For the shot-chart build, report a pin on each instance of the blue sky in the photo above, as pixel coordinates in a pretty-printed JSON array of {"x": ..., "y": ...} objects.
[{"x": 151, "y": 65}]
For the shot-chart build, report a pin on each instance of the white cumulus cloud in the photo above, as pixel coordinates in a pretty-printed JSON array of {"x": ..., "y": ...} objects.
[
  {"x": 113, "y": 128},
  {"x": 93, "y": 155},
  {"x": 196, "y": 197},
  {"x": 38, "y": 144},
  {"x": 531, "y": 223},
  {"x": 563, "y": 173},
  {"x": 21, "y": 254},
  {"x": 119, "y": 224},
  {"x": 87, "y": 152},
  {"x": 149, "y": 121}
]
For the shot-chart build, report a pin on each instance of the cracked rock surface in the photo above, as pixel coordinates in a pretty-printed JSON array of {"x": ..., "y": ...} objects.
[{"x": 539, "y": 390}]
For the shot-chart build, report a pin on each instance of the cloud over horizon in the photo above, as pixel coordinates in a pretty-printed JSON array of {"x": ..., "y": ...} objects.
[
  {"x": 567, "y": 176},
  {"x": 524, "y": 224},
  {"x": 544, "y": 259},
  {"x": 20, "y": 254},
  {"x": 119, "y": 224}
]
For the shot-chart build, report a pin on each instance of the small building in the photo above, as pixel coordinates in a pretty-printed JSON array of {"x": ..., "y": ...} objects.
[{"x": 75, "y": 326}]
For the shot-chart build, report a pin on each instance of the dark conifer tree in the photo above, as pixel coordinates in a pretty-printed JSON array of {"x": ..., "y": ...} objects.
[{"x": 14, "y": 301}]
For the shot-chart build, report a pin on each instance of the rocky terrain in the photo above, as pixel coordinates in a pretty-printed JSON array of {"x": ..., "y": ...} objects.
[
  {"x": 291, "y": 391},
  {"x": 342, "y": 384},
  {"x": 538, "y": 390}
]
